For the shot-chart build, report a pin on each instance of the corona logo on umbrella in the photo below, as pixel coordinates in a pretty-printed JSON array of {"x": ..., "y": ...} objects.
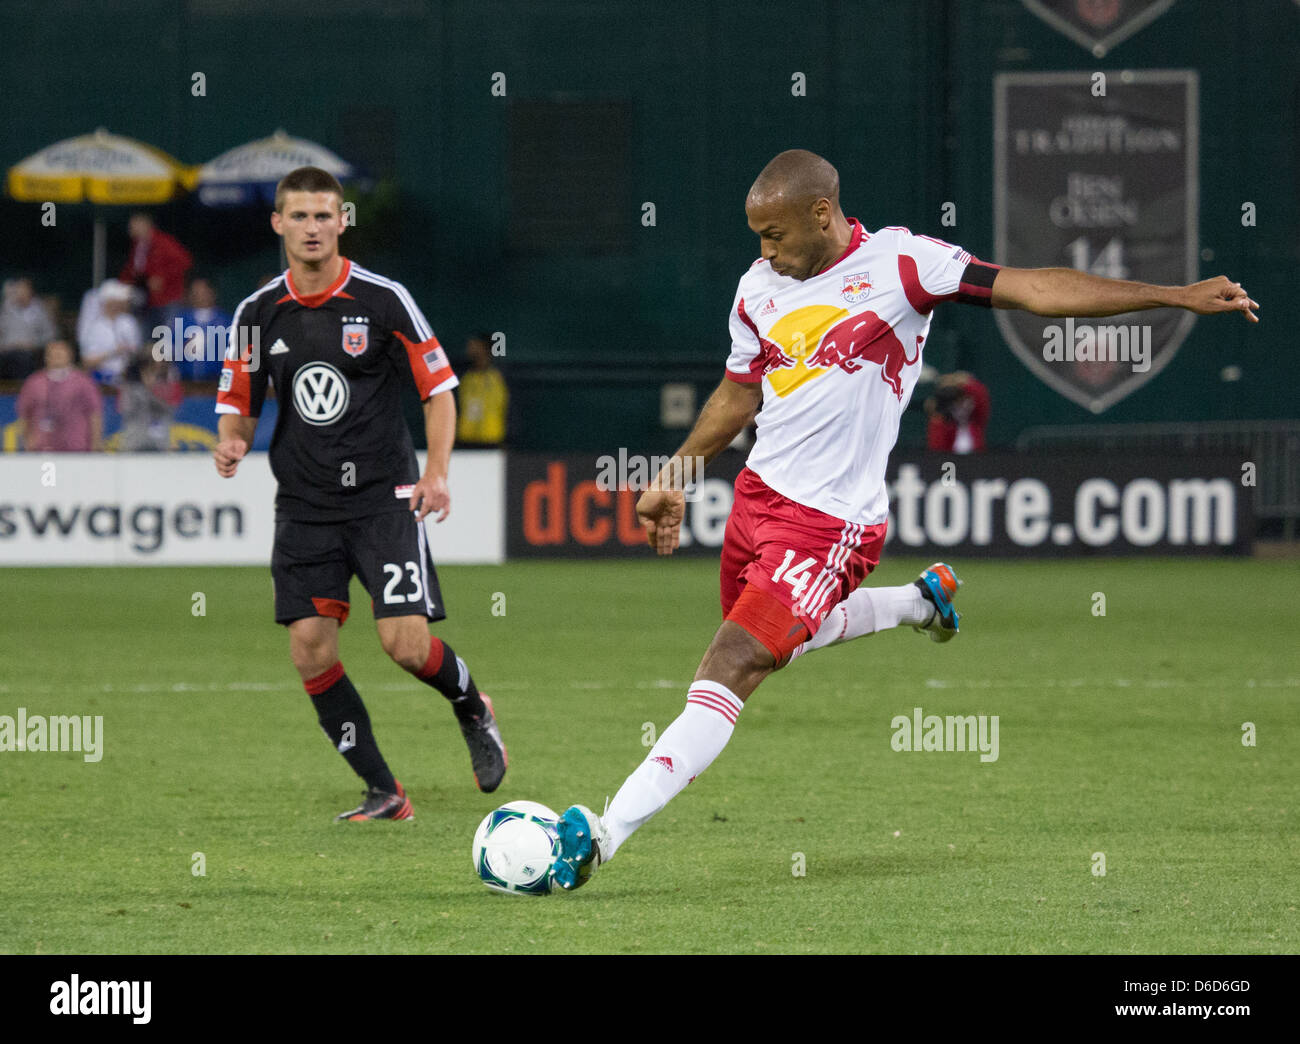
[
  {"x": 99, "y": 168},
  {"x": 247, "y": 175},
  {"x": 103, "y": 169}
]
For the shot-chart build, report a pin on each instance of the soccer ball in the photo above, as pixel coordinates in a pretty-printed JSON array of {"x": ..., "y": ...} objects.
[{"x": 514, "y": 846}]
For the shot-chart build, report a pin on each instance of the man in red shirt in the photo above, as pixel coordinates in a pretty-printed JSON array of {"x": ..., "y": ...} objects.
[
  {"x": 161, "y": 261},
  {"x": 959, "y": 414},
  {"x": 59, "y": 407}
]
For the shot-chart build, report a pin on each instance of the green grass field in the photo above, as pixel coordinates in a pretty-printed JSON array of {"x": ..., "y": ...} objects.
[{"x": 1119, "y": 735}]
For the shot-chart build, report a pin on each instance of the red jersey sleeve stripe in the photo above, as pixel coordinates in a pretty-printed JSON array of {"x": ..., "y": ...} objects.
[
  {"x": 429, "y": 364},
  {"x": 976, "y": 286},
  {"x": 238, "y": 398},
  {"x": 756, "y": 364},
  {"x": 917, "y": 296},
  {"x": 234, "y": 388}
]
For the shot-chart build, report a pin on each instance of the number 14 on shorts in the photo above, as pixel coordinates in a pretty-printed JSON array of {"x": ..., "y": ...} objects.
[{"x": 796, "y": 576}]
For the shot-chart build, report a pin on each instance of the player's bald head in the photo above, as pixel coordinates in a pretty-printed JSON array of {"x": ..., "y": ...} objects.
[
  {"x": 797, "y": 178},
  {"x": 794, "y": 209}
]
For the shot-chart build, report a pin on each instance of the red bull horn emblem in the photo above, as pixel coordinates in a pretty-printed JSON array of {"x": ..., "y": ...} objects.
[
  {"x": 812, "y": 340},
  {"x": 865, "y": 339}
]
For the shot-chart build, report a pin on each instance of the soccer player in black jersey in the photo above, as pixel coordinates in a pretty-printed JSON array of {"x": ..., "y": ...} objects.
[{"x": 337, "y": 340}]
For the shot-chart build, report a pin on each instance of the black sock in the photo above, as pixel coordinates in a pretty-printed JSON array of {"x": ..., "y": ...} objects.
[
  {"x": 446, "y": 672},
  {"x": 343, "y": 717}
]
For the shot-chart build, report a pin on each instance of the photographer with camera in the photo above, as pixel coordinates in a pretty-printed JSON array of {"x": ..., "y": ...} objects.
[{"x": 959, "y": 414}]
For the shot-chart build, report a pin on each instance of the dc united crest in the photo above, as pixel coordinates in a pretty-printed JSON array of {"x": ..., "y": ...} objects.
[
  {"x": 355, "y": 338},
  {"x": 320, "y": 393}
]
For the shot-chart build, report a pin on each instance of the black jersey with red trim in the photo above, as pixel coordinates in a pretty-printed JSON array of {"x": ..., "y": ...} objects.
[{"x": 337, "y": 359}]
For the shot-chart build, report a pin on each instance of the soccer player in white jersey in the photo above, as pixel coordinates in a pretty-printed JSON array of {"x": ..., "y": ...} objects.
[{"x": 827, "y": 330}]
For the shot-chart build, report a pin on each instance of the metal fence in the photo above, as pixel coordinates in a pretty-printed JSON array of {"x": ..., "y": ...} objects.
[{"x": 1272, "y": 446}]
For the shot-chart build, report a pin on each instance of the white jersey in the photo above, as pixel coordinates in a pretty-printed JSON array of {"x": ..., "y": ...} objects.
[{"x": 838, "y": 355}]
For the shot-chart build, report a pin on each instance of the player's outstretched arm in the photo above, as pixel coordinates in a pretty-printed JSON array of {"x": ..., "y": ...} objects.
[
  {"x": 234, "y": 436},
  {"x": 1064, "y": 291},
  {"x": 662, "y": 506}
]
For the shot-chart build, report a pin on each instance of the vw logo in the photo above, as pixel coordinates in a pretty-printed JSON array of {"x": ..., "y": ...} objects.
[{"x": 320, "y": 393}]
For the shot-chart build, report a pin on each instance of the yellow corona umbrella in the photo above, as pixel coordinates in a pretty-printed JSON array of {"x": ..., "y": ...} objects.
[{"x": 103, "y": 169}]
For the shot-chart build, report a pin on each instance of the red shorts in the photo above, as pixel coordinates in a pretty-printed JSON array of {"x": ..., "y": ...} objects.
[{"x": 807, "y": 560}]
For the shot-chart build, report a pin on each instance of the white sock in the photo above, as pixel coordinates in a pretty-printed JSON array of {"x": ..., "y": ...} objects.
[
  {"x": 685, "y": 749},
  {"x": 866, "y": 611}
]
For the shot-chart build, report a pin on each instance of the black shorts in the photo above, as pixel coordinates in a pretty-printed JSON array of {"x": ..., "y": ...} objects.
[{"x": 313, "y": 563}]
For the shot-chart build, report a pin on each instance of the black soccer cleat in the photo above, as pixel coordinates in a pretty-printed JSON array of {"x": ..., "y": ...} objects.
[
  {"x": 487, "y": 753},
  {"x": 379, "y": 804}
]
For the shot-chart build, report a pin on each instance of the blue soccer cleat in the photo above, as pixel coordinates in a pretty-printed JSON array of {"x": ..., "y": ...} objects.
[
  {"x": 938, "y": 586},
  {"x": 581, "y": 835}
]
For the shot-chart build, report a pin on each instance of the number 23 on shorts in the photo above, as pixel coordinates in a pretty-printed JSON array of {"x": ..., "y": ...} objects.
[{"x": 394, "y": 573}]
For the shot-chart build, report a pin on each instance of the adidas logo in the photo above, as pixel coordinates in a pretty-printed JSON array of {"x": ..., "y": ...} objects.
[
  {"x": 768, "y": 308},
  {"x": 666, "y": 762},
  {"x": 279, "y": 348}
]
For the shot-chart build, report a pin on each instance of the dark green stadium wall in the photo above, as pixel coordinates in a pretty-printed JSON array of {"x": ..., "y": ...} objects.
[{"x": 898, "y": 96}]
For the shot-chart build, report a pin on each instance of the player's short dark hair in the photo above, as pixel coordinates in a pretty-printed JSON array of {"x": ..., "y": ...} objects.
[
  {"x": 798, "y": 175},
  {"x": 307, "y": 179}
]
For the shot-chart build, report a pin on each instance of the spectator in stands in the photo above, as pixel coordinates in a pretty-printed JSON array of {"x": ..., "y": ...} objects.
[
  {"x": 204, "y": 346},
  {"x": 59, "y": 407},
  {"x": 959, "y": 414},
  {"x": 63, "y": 322},
  {"x": 87, "y": 314},
  {"x": 482, "y": 397},
  {"x": 112, "y": 337},
  {"x": 147, "y": 400},
  {"x": 25, "y": 326},
  {"x": 157, "y": 262}
]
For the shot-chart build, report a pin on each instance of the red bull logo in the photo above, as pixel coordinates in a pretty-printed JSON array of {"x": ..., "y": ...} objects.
[
  {"x": 866, "y": 338},
  {"x": 771, "y": 357},
  {"x": 857, "y": 287},
  {"x": 810, "y": 341},
  {"x": 790, "y": 343}
]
